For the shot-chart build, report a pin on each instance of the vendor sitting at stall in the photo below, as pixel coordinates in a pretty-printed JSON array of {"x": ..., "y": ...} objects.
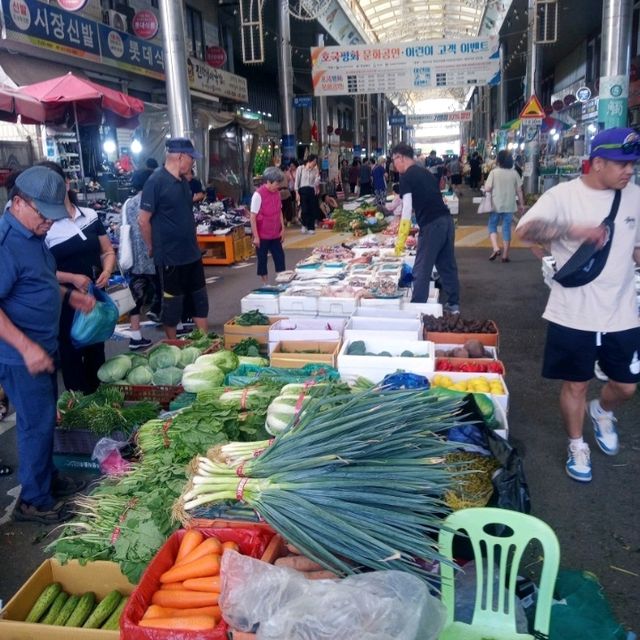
[
  {"x": 328, "y": 204},
  {"x": 195, "y": 185}
]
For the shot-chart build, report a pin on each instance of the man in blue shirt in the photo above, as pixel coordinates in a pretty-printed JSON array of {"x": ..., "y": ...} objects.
[{"x": 30, "y": 301}]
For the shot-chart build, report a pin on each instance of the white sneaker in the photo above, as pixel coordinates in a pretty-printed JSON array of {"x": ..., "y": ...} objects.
[
  {"x": 303, "y": 229},
  {"x": 311, "y": 231},
  {"x": 578, "y": 464},
  {"x": 604, "y": 427}
]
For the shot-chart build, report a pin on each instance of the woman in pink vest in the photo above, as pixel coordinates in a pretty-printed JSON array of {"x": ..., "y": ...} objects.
[{"x": 267, "y": 224}]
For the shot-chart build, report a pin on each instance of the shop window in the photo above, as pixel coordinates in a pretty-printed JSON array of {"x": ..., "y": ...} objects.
[{"x": 195, "y": 33}]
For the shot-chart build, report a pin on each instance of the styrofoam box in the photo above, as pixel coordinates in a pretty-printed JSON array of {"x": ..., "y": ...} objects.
[
  {"x": 306, "y": 328},
  {"x": 378, "y": 312},
  {"x": 447, "y": 347},
  {"x": 330, "y": 306},
  {"x": 422, "y": 308},
  {"x": 298, "y": 305},
  {"x": 383, "y": 303},
  {"x": 375, "y": 368},
  {"x": 456, "y": 376},
  {"x": 359, "y": 328},
  {"x": 265, "y": 303}
]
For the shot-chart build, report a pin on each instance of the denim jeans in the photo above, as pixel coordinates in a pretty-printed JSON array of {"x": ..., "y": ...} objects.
[
  {"x": 34, "y": 398},
  {"x": 436, "y": 248}
]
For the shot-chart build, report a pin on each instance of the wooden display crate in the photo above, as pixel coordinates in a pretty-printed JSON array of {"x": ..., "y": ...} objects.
[
  {"x": 297, "y": 354},
  {"x": 235, "y": 333}
]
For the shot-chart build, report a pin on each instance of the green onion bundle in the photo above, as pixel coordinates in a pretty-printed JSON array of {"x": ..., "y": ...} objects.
[{"x": 355, "y": 482}]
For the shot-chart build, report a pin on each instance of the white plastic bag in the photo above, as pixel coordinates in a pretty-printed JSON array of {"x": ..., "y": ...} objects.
[
  {"x": 486, "y": 205},
  {"x": 281, "y": 604},
  {"x": 125, "y": 246}
]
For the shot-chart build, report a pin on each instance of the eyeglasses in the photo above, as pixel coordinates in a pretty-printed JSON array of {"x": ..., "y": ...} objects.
[
  {"x": 627, "y": 148},
  {"x": 42, "y": 218}
]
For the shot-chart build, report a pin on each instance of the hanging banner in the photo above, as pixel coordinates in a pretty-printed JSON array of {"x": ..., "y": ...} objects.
[
  {"x": 406, "y": 66},
  {"x": 126, "y": 52},
  {"x": 338, "y": 25},
  {"x": 428, "y": 118},
  {"x": 203, "y": 77}
]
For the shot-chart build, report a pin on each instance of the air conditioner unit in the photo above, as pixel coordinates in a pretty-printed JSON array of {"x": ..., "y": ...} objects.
[{"x": 115, "y": 19}]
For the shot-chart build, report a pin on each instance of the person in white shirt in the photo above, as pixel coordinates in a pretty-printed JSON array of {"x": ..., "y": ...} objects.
[
  {"x": 599, "y": 320},
  {"x": 307, "y": 187}
]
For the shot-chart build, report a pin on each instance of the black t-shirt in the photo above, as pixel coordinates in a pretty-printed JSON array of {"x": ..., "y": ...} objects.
[
  {"x": 425, "y": 194},
  {"x": 75, "y": 244},
  {"x": 196, "y": 186},
  {"x": 173, "y": 226}
]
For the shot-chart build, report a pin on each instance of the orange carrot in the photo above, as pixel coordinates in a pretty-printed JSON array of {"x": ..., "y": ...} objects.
[
  {"x": 172, "y": 586},
  {"x": 210, "y": 545},
  {"x": 191, "y": 623},
  {"x": 191, "y": 539},
  {"x": 213, "y": 611},
  {"x": 208, "y": 584},
  {"x": 206, "y": 566},
  {"x": 230, "y": 545},
  {"x": 184, "y": 599},
  {"x": 154, "y": 611}
]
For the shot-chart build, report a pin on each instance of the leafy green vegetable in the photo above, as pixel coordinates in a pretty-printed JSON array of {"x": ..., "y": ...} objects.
[
  {"x": 250, "y": 318},
  {"x": 197, "y": 378},
  {"x": 247, "y": 347},
  {"x": 140, "y": 375},
  {"x": 189, "y": 355},
  {"x": 169, "y": 376},
  {"x": 224, "y": 360},
  {"x": 164, "y": 355},
  {"x": 138, "y": 360},
  {"x": 114, "y": 369},
  {"x": 254, "y": 360}
]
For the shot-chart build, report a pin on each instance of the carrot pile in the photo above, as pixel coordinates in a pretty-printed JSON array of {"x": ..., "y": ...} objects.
[{"x": 189, "y": 591}]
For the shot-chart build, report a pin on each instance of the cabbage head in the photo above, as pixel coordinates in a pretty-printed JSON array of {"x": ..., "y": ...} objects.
[
  {"x": 225, "y": 360},
  {"x": 196, "y": 378},
  {"x": 163, "y": 356},
  {"x": 140, "y": 375},
  {"x": 115, "y": 369},
  {"x": 169, "y": 375},
  {"x": 138, "y": 360},
  {"x": 189, "y": 355},
  {"x": 256, "y": 361}
]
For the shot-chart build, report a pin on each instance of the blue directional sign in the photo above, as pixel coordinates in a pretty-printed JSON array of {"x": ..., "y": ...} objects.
[
  {"x": 398, "y": 120},
  {"x": 300, "y": 102}
]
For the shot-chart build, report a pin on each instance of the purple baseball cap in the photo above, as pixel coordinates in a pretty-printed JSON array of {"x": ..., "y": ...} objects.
[{"x": 618, "y": 144}]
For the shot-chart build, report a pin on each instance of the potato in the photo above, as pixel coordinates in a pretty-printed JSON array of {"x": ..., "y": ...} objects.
[
  {"x": 460, "y": 352},
  {"x": 440, "y": 353},
  {"x": 475, "y": 348}
]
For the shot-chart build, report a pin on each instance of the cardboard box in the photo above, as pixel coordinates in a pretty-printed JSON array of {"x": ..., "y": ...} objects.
[
  {"x": 235, "y": 333},
  {"x": 291, "y": 354},
  {"x": 306, "y": 329},
  {"x": 101, "y": 577}
]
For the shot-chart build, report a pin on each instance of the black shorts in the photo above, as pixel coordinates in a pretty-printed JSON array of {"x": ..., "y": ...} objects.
[
  {"x": 570, "y": 354},
  {"x": 182, "y": 279}
]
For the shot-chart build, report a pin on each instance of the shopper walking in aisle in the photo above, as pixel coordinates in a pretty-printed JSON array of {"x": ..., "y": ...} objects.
[
  {"x": 30, "y": 303},
  {"x": 267, "y": 222},
  {"x": 597, "y": 321},
  {"x": 505, "y": 186},
  {"x": 143, "y": 271},
  {"x": 286, "y": 198},
  {"x": 344, "y": 177},
  {"x": 354, "y": 176},
  {"x": 475, "y": 170},
  {"x": 84, "y": 256},
  {"x": 420, "y": 193},
  {"x": 378, "y": 176},
  {"x": 364, "y": 179},
  {"x": 168, "y": 228},
  {"x": 307, "y": 187}
]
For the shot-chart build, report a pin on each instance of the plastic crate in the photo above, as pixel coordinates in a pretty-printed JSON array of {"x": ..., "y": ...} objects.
[
  {"x": 163, "y": 394},
  {"x": 80, "y": 441}
]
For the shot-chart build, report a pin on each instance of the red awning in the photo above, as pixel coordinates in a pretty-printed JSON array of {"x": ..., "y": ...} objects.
[{"x": 13, "y": 103}]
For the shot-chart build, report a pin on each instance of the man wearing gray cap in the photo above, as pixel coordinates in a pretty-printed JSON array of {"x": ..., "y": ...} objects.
[
  {"x": 597, "y": 319},
  {"x": 30, "y": 301},
  {"x": 169, "y": 231}
]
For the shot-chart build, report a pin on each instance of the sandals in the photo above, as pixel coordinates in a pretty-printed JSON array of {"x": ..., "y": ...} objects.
[
  {"x": 56, "y": 514},
  {"x": 494, "y": 255},
  {"x": 5, "y": 470},
  {"x": 506, "y": 260}
]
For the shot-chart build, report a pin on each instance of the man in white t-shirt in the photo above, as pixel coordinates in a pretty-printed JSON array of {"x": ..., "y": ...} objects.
[{"x": 599, "y": 320}]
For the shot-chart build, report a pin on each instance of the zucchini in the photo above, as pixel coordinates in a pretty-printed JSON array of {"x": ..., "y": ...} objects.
[
  {"x": 44, "y": 601},
  {"x": 67, "y": 610},
  {"x": 82, "y": 610},
  {"x": 55, "y": 608},
  {"x": 106, "y": 607},
  {"x": 113, "y": 621}
]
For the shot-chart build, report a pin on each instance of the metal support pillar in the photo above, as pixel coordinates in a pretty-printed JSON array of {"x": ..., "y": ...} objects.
[
  {"x": 323, "y": 117},
  {"x": 486, "y": 108},
  {"x": 367, "y": 141},
  {"x": 532, "y": 87},
  {"x": 175, "y": 71},
  {"x": 357, "y": 133},
  {"x": 502, "y": 93},
  {"x": 614, "y": 63},
  {"x": 285, "y": 84}
]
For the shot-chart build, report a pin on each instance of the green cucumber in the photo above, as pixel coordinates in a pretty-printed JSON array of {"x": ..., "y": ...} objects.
[
  {"x": 113, "y": 621},
  {"x": 106, "y": 607},
  {"x": 55, "y": 608},
  {"x": 44, "y": 601},
  {"x": 67, "y": 610},
  {"x": 82, "y": 610}
]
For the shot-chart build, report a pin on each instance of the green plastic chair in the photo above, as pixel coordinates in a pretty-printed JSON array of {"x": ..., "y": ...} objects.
[{"x": 494, "y": 615}]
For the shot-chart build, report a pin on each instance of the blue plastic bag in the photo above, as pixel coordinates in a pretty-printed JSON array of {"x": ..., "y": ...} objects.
[{"x": 97, "y": 325}]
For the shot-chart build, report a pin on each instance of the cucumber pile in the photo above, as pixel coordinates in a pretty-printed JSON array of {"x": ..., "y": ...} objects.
[{"x": 55, "y": 606}]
